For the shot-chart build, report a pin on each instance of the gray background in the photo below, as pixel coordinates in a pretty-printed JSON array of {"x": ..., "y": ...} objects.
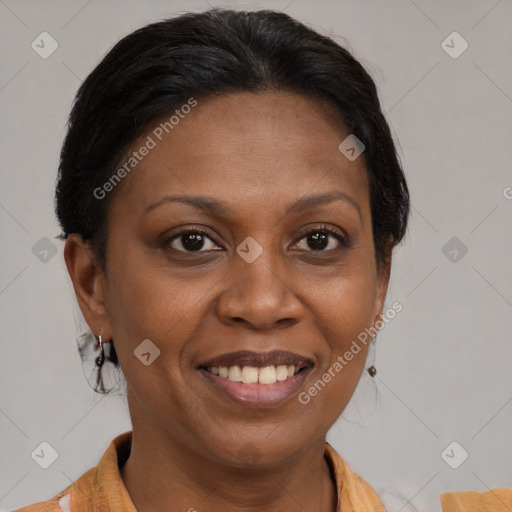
[{"x": 443, "y": 363}]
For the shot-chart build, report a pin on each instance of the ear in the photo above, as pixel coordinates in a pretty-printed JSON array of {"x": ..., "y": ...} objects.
[
  {"x": 89, "y": 284},
  {"x": 383, "y": 274}
]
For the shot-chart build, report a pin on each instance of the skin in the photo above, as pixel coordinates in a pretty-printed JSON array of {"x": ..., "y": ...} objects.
[{"x": 257, "y": 154}]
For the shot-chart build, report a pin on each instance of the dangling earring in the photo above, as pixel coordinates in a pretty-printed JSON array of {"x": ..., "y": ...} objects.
[
  {"x": 372, "y": 370},
  {"x": 101, "y": 358}
]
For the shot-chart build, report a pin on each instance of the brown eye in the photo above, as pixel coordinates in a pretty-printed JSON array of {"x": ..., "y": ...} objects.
[
  {"x": 318, "y": 241},
  {"x": 191, "y": 241},
  {"x": 322, "y": 240}
]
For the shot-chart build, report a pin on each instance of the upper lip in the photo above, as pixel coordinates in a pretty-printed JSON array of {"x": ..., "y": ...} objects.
[{"x": 259, "y": 359}]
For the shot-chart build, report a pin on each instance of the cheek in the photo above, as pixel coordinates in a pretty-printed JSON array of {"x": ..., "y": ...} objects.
[
  {"x": 330, "y": 390},
  {"x": 146, "y": 301},
  {"x": 343, "y": 309},
  {"x": 344, "y": 304},
  {"x": 146, "y": 306}
]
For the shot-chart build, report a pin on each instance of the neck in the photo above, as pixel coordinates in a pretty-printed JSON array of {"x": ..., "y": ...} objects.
[{"x": 162, "y": 474}]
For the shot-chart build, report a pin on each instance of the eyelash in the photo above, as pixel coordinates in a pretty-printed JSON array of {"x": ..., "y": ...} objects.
[{"x": 317, "y": 229}]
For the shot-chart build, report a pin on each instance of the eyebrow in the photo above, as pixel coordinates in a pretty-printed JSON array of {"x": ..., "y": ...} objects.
[
  {"x": 213, "y": 206},
  {"x": 309, "y": 202}
]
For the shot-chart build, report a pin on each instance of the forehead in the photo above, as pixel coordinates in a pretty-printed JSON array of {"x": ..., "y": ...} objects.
[{"x": 244, "y": 148}]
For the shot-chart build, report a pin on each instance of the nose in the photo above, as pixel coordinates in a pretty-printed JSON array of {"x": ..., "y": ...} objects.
[{"x": 261, "y": 294}]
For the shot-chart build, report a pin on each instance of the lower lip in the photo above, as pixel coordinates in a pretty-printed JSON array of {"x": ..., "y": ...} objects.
[{"x": 257, "y": 395}]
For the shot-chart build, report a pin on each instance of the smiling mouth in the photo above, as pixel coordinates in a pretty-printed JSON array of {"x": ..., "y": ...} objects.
[
  {"x": 263, "y": 368},
  {"x": 256, "y": 379},
  {"x": 265, "y": 375}
]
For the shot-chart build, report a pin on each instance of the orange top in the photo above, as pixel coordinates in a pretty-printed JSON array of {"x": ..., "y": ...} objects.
[
  {"x": 495, "y": 500},
  {"x": 101, "y": 489}
]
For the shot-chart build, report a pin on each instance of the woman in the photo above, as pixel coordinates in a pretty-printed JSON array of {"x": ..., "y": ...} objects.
[{"x": 230, "y": 196}]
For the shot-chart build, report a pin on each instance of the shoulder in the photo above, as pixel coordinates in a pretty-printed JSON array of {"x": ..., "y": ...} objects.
[
  {"x": 59, "y": 503},
  {"x": 102, "y": 482},
  {"x": 354, "y": 493},
  {"x": 494, "y": 500}
]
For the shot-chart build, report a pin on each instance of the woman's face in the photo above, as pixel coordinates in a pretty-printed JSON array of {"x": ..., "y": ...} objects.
[{"x": 267, "y": 179}]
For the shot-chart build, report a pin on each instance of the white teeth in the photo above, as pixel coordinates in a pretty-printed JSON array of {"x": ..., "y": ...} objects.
[
  {"x": 235, "y": 374},
  {"x": 282, "y": 372},
  {"x": 249, "y": 375},
  {"x": 268, "y": 375},
  {"x": 252, "y": 375}
]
